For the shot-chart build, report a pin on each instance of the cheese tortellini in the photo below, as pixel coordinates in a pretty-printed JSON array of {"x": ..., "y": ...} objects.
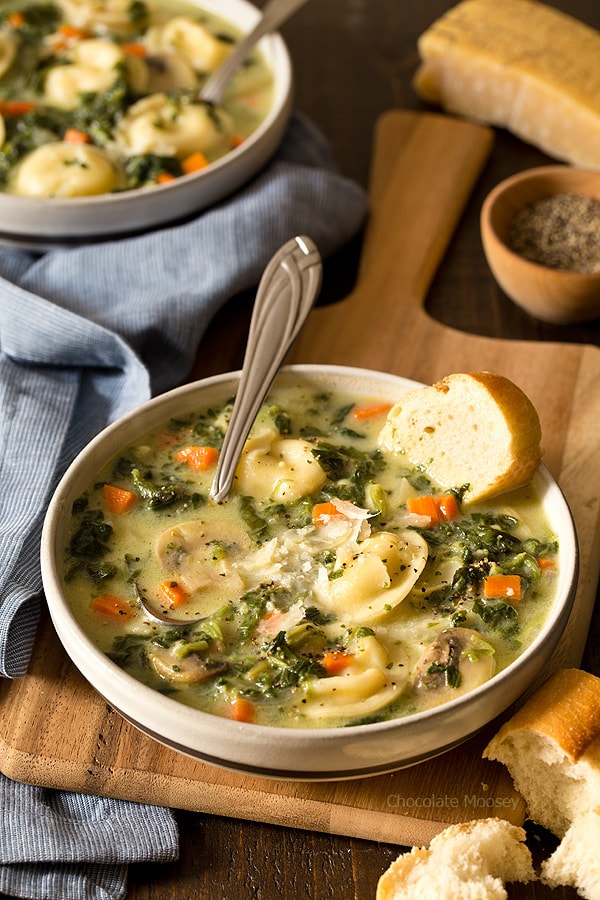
[
  {"x": 362, "y": 688},
  {"x": 185, "y": 37},
  {"x": 284, "y": 469},
  {"x": 101, "y": 15},
  {"x": 92, "y": 68},
  {"x": 64, "y": 169},
  {"x": 372, "y": 577},
  {"x": 171, "y": 126}
]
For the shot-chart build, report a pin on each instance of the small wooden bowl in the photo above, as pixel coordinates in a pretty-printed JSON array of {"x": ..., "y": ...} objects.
[{"x": 554, "y": 295}]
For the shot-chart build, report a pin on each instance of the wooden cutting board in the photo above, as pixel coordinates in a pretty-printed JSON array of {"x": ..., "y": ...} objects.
[{"x": 56, "y": 731}]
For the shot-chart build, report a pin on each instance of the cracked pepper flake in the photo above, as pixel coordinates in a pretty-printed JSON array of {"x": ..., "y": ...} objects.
[{"x": 561, "y": 231}]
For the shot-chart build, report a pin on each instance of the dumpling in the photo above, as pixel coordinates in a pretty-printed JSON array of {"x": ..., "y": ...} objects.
[
  {"x": 100, "y": 16},
  {"x": 183, "y": 36},
  {"x": 65, "y": 169},
  {"x": 373, "y": 576},
  {"x": 362, "y": 688},
  {"x": 94, "y": 66},
  {"x": 282, "y": 469},
  {"x": 168, "y": 126}
]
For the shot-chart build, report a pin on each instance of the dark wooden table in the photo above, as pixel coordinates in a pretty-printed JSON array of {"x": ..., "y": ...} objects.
[{"x": 354, "y": 59}]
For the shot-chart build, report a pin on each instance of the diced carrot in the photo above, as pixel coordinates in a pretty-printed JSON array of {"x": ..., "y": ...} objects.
[
  {"x": 335, "y": 661},
  {"x": 322, "y": 513},
  {"x": 113, "y": 606},
  {"x": 15, "y": 107},
  {"x": 506, "y": 586},
  {"x": 71, "y": 32},
  {"x": 164, "y": 178},
  {"x": 74, "y": 136},
  {"x": 424, "y": 506},
  {"x": 174, "y": 592},
  {"x": 270, "y": 624},
  {"x": 447, "y": 505},
  {"x": 237, "y": 140},
  {"x": 194, "y": 162},
  {"x": 135, "y": 49},
  {"x": 197, "y": 457},
  {"x": 544, "y": 563},
  {"x": 437, "y": 507},
  {"x": 241, "y": 710},
  {"x": 16, "y": 19},
  {"x": 118, "y": 500},
  {"x": 370, "y": 412}
]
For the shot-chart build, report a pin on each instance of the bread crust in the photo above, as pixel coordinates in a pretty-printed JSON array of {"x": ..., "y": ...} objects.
[
  {"x": 565, "y": 709},
  {"x": 469, "y": 859},
  {"x": 477, "y": 429}
]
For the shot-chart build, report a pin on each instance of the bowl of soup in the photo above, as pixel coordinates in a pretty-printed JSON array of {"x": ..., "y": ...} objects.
[
  {"x": 337, "y": 616},
  {"x": 102, "y": 133}
]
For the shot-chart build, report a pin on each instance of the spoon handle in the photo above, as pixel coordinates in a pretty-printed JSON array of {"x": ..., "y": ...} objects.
[
  {"x": 285, "y": 296},
  {"x": 274, "y": 13}
]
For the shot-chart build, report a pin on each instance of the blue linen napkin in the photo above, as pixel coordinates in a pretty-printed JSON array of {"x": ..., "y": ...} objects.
[
  {"x": 58, "y": 845},
  {"x": 87, "y": 334}
]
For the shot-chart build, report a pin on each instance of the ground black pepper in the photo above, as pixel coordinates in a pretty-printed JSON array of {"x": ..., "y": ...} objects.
[{"x": 561, "y": 231}]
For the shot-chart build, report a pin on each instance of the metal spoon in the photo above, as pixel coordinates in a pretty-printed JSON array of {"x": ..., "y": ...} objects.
[
  {"x": 285, "y": 296},
  {"x": 274, "y": 14}
]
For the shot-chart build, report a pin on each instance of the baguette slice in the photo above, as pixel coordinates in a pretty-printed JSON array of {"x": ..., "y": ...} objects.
[
  {"x": 521, "y": 65},
  {"x": 477, "y": 429},
  {"x": 551, "y": 747},
  {"x": 470, "y": 861},
  {"x": 576, "y": 863}
]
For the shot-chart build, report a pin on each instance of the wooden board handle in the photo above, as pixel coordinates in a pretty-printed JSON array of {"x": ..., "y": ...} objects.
[{"x": 424, "y": 169}]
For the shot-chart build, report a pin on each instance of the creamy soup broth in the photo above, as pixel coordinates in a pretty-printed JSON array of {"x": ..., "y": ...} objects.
[
  {"x": 98, "y": 96},
  {"x": 336, "y": 585}
]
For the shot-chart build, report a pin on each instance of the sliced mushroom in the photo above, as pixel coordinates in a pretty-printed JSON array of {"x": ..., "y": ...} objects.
[
  {"x": 8, "y": 52},
  {"x": 168, "y": 72},
  {"x": 200, "y": 557},
  {"x": 458, "y": 660},
  {"x": 178, "y": 669},
  {"x": 201, "y": 554}
]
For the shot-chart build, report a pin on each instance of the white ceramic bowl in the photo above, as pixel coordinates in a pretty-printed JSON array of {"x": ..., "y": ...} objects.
[
  {"x": 43, "y": 223},
  {"x": 305, "y": 754}
]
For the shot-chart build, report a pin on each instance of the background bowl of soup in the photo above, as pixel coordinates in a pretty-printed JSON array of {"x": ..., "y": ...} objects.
[
  {"x": 256, "y": 111},
  {"x": 353, "y": 681}
]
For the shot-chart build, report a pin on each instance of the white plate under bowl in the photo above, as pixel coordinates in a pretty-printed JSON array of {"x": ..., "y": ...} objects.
[
  {"x": 42, "y": 224},
  {"x": 298, "y": 754}
]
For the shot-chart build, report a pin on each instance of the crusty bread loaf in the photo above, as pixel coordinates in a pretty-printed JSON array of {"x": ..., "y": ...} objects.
[
  {"x": 477, "y": 429},
  {"x": 551, "y": 747},
  {"x": 470, "y": 861},
  {"x": 518, "y": 64}
]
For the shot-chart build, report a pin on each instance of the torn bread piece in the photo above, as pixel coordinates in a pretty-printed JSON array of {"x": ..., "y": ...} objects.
[
  {"x": 476, "y": 429},
  {"x": 551, "y": 748},
  {"x": 521, "y": 65},
  {"x": 576, "y": 863},
  {"x": 471, "y": 860}
]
